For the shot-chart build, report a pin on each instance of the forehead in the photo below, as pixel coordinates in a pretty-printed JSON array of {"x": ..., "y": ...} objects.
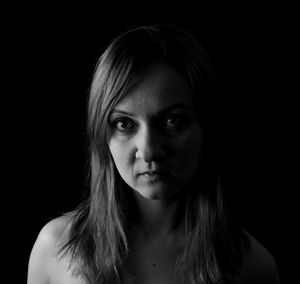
[{"x": 158, "y": 87}]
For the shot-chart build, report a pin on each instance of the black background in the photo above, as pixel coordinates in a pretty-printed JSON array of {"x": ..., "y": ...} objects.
[{"x": 50, "y": 65}]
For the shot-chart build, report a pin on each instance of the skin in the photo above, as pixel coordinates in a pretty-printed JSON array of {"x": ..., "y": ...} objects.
[
  {"x": 155, "y": 126},
  {"x": 152, "y": 142},
  {"x": 45, "y": 267}
]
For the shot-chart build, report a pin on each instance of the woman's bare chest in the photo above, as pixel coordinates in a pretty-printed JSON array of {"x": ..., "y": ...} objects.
[{"x": 151, "y": 263}]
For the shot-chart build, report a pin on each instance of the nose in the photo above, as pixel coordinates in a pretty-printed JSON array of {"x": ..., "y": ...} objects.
[{"x": 149, "y": 145}]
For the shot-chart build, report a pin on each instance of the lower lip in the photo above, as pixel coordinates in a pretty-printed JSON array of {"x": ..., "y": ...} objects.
[{"x": 153, "y": 177}]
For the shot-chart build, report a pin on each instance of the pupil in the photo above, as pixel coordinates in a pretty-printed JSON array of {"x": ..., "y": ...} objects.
[
  {"x": 124, "y": 124},
  {"x": 171, "y": 121}
]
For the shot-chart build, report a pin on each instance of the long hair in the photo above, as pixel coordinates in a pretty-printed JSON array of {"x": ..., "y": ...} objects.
[{"x": 97, "y": 242}]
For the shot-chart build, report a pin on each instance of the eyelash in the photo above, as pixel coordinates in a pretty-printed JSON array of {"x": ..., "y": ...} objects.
[
  {"x": 181, "y": 120},
  {"x": 122, "y": 119}
]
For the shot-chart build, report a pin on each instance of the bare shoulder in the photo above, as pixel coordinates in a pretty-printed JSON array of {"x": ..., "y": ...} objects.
[
  {"x": 45, "y": 248},
  {"x": 259, "y": 265},
  {"x": 55, "y": 231}
]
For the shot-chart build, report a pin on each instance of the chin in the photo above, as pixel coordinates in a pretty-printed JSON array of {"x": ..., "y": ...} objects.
[{"x": 151, "y": 193}]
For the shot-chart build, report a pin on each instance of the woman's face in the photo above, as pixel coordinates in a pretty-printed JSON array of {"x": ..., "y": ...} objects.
[{"x": 155, "y": 137}]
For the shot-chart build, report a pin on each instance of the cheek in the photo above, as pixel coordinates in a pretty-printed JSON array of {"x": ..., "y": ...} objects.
[
  {"x": 188, "y": 150},
  {"x": 121, "y": 154}
]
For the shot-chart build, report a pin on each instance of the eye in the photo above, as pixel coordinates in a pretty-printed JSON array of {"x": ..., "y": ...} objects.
[
  {"x": 173, "y": 121},
  {"x": 123, "y": 124}
]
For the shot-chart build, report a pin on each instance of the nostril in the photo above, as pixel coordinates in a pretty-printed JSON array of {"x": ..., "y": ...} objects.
[
  {"x": 150, "y": 155},
  {"x": 149, "y": 146}
]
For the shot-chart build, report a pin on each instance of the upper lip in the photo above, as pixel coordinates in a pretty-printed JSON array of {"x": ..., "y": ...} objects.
[{"x": 152, "y": 172}]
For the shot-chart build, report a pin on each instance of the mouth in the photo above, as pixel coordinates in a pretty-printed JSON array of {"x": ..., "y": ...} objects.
[
  {"x": 154, "y": 175},
  {"x": 151, "y": 173}
]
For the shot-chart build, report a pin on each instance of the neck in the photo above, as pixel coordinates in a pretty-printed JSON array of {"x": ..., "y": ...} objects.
[{"x": 158, "y": 217}]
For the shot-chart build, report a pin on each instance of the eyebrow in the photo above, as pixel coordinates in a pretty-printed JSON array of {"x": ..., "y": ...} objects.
[{"x": 160, "y": 112}]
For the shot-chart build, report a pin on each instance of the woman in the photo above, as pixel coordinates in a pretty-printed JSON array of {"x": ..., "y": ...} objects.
[{"x": 156, "y": 210}]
